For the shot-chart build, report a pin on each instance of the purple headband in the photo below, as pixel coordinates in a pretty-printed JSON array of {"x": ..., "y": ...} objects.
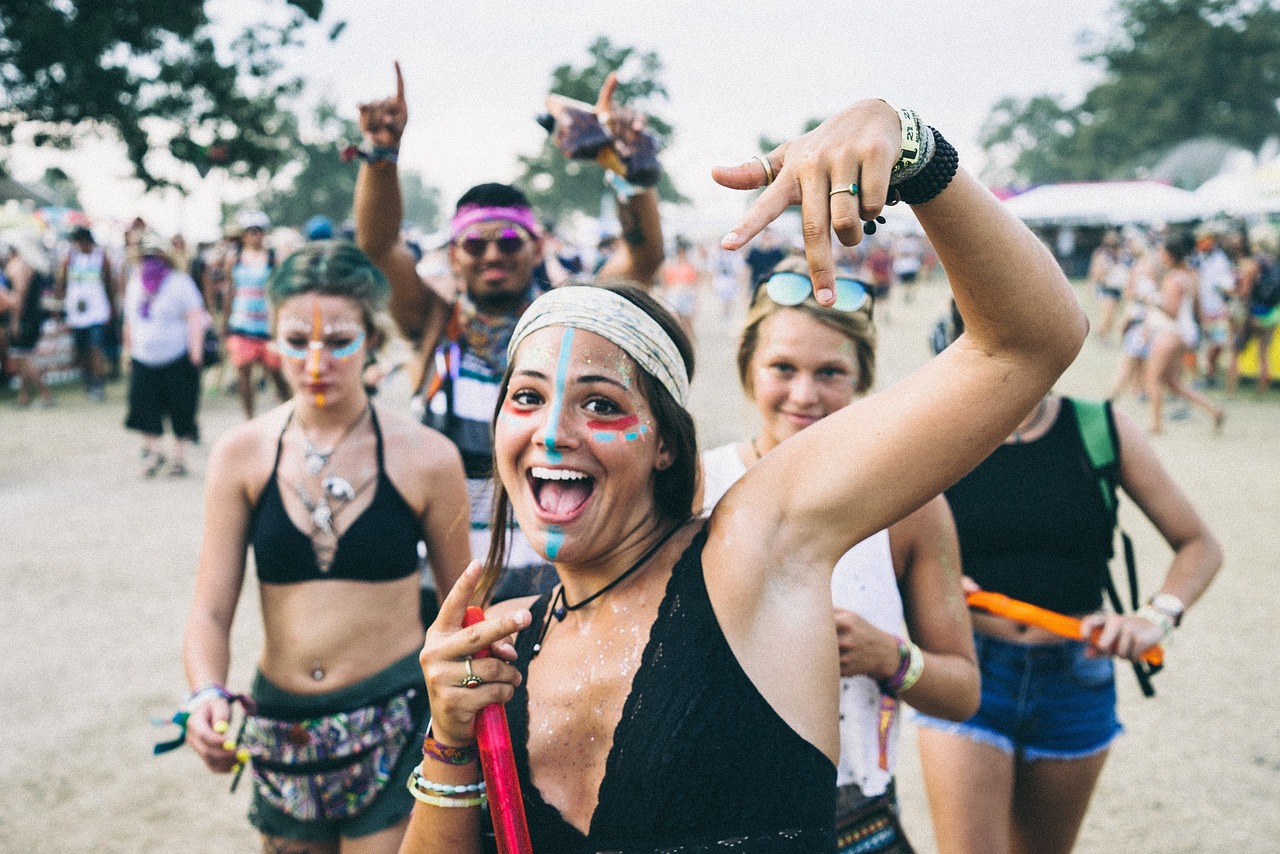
[{"x": 469, "y": 215}]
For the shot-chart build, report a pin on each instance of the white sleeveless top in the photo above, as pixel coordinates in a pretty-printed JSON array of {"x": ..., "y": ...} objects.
[
  {"x": 86, "y": 303},
  {"x": 863, "y": 582}
]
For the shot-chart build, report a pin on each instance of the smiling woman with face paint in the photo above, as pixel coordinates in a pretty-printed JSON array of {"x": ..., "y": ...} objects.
[
  {"x": 334, "y": 493},
  {"x": 679, "y": 691},
  {"x": 897, "y": 593}
]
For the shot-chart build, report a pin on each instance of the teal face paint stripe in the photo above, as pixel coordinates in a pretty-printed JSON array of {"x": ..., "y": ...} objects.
[
  {"x": 562, "y": 374},
  {"x": 350, "y": 349},
  {"x": 555, "y": 539}
]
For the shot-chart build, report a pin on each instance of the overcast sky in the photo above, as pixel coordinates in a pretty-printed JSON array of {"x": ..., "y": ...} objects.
[{"x": 477, "y": 74}]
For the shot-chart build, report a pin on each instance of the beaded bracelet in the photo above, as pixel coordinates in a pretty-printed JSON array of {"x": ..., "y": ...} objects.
[
  {"x": 437, "y": 801},
  {"x": 446, "y": 754},
  {"x": 443, "y": 788},
  {"x": 934, "y": 177}
]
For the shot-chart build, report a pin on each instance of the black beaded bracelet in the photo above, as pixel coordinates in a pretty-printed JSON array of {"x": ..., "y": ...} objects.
[{"x": 934, "y": 177}]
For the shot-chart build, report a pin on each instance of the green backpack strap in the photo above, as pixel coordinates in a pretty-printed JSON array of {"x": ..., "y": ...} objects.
[
  {"x": 1098, "y": 432},
  {"x": 1098, "y": 435}
]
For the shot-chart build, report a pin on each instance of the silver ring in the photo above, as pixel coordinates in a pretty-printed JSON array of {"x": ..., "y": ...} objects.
[
  {"x": 470, "y": 680},
  {"x": 852, "y": 190},
  {"x": 768, "y": 168}
]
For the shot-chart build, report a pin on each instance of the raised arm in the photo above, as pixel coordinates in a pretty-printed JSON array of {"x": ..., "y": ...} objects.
[
  {"x": 379, "y": 213},
  {"x": 870, "y": 464},
  {"x": 641, "y": 251}
]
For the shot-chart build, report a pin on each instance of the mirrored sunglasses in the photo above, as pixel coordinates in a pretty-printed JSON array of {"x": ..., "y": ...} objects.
[
  {"x": 509, "y": 242},
  {"x": 795, "y": 288}
]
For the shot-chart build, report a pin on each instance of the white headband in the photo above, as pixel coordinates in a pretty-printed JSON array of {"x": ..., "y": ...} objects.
[{"x": 616, "y": 318}]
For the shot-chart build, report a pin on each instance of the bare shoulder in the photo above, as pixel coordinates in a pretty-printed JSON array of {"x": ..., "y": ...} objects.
[
  {"x": 246, "y": 452},
  {"x": 419, "y": 445}
]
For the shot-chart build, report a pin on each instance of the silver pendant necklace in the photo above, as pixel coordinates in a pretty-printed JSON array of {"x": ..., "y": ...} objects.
[{"x": 316, "y": 457}]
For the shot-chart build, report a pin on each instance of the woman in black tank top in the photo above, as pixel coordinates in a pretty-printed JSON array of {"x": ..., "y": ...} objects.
[
  {"x": 678, "y": 691},
  {"x": 1034, "y": 525},
  {"x": 334, "y": 496}
]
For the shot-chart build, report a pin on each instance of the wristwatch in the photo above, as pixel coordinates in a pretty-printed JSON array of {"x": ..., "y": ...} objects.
[{"x": 1169, "y": 605}]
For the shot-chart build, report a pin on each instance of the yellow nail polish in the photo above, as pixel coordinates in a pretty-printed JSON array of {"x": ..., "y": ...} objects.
[
  {"x": 228, "y": 745},
  {"x": 220, "y": 727},
  {"x": 242, "y": 756}
]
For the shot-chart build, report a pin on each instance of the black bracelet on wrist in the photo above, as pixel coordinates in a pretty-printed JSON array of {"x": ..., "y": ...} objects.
[{"x": 934, "y": 177}]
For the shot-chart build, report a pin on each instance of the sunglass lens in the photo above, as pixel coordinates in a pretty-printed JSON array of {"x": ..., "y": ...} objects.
[
  {"x": 510, "y": 245},
  {"x": 851, "y": 295},
  {"x": 475, "y": 246},
  {"x": 788, "y": 288}
]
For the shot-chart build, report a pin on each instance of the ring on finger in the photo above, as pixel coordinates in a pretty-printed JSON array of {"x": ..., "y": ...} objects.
[
  {"x": 852, "y": 190},
  {"x": 471, "y": 680},
  {"x": 768, "y": 168}
]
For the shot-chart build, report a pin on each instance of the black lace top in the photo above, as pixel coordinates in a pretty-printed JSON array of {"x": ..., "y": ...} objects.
[{"x": 700, "y": 762}]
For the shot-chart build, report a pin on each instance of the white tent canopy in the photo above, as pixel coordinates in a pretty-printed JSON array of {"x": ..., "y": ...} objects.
[
  {"x": 1246, "y": 192},
  {"x": 1086, "y": 203}
]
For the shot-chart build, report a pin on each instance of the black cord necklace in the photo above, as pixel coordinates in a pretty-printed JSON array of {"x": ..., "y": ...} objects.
[{"x": 559, "y": 606}]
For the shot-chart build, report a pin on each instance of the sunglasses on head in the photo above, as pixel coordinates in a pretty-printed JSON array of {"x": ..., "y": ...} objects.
[
  {"x": 794, "y": 288},
  {"x": 509, "y": 242}
]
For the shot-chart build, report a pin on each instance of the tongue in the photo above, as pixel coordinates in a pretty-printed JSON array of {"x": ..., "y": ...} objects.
[{"x": 560, "y": 497}]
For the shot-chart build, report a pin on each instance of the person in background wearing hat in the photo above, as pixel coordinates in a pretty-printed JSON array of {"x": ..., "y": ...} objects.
[
  {"x": 248, "y": 332},
  {"x": 88, "y": 293},
  {"x": 25, "y": 266},
  {"x": 495, "y": 245},
  {"x": 164, "y": 323}
]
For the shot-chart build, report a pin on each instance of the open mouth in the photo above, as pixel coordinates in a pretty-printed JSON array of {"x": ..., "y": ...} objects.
[{"x": 560, "y": 493}]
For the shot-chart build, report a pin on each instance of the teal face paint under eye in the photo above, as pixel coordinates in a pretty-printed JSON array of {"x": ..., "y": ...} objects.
[
  {"x": 300, "y": 353},
  {"x": 557, "y": 402}
]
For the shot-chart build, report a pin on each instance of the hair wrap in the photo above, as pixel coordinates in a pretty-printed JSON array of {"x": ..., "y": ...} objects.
[
  {"x": 615, "y": 318},
  {"x": 469, "y": 215}
]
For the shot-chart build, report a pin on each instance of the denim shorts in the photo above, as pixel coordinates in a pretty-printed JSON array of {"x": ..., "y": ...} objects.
[{"x": 1048, "y": 701}]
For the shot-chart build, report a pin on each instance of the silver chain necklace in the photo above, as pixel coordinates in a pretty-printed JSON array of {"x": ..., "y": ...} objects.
[{"x": 316, "y": 458}]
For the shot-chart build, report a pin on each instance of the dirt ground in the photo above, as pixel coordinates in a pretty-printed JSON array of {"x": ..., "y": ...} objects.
[{"x": 98, "y": 566}]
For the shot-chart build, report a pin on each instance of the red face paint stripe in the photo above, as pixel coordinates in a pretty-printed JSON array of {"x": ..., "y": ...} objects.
[{"x": 614, "y": 426}]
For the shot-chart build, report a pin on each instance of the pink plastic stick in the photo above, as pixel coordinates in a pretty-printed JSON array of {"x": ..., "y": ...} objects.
[{"x": 506, "y": 806}]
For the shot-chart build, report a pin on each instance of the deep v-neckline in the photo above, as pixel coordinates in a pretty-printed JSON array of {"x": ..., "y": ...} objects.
[{"x": 521, "y": 739}]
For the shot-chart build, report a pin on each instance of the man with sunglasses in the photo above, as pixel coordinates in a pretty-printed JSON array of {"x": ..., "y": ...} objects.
[{"x": 495, "y": 246}]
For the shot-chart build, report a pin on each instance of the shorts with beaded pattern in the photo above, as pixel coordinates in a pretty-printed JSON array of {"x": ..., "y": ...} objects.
[
  {"x": 1043, "y": 701},
  {"x": 394, "y": 803}
]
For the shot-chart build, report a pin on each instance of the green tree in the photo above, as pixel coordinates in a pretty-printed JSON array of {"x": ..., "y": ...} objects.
[
  {"x": 1175, "y": 70},
  {"x": 61, "y": 186},
  {"x": 320, "y": 182},
  {"x": 422, "y": 202},
  {"x": 557, "y": 186},
  {"x": 151, "y": 73}
]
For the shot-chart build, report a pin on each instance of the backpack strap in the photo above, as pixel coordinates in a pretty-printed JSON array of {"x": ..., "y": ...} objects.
[
  {"x": 1098, "y": 432},
  {"x": 1102, "y": 446}
]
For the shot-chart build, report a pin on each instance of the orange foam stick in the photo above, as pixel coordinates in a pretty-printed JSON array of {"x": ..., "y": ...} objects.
[{"x": 1051, "y": 621}]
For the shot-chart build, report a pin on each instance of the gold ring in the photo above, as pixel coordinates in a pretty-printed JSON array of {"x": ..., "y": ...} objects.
[
  {"x": 470, "y": 680},
  {"x": 768, "y": 168},
  {"x": 852, "y": 190}
]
